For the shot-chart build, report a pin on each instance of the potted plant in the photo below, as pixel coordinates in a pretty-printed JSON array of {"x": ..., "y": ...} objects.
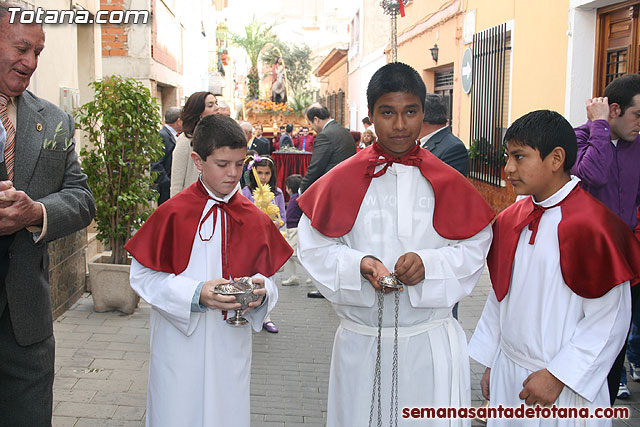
[{"x": 121, "y": 124}]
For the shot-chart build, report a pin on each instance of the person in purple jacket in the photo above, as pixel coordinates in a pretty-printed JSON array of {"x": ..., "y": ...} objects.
[{"x": 609, "y": 166}]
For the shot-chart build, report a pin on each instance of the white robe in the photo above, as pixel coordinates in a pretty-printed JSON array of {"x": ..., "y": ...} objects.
[
  {"x": 396, "y": 217},
  {"x": 541, "y": 323},
  {"x": 199, "y": 368}
]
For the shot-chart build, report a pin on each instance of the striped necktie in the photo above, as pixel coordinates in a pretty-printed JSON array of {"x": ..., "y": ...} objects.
[{"x": 10, "y": 146}]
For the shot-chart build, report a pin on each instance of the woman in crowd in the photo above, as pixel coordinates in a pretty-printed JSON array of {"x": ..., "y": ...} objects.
[{"x": 183, "y": 171}]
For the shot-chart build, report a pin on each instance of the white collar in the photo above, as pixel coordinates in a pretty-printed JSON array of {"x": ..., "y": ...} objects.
[
  {"x": 559, "y": 195},
  {"x": 172, "y": 130},
  {"x": 426, "y": 138},
  {"x": 224, "y": 199},
  {"x": 329, "y": 121}
]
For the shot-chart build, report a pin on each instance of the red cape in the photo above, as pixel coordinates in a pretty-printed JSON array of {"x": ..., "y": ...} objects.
[
  {"x": 598, "y": 251},
  {"x": 165, "y": 241},
  {"x": 333, "y": 201}
]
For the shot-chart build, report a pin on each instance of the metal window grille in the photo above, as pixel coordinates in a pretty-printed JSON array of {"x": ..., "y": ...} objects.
[
  {"x": 616, "y": 64},
  {"x": 444, "y": 87},
  {"x": 444, "y": 79},
  {"x": 491, "y": 63}
]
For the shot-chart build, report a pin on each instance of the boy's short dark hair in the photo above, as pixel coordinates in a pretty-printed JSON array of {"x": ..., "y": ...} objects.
[
  {"x": 622, "y": 90},
  {"x": 216, "y": 131},
  {"x": 544, "y": 130},
  {"x": 293, "y": 182},
  {"x": 289, "y": 128},
  {"x": 395, "y": 77},
  {"x": 318, "y": 111}
]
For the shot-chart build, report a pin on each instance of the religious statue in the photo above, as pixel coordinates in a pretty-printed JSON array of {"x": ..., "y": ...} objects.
[{"x": 278, "y": 86}]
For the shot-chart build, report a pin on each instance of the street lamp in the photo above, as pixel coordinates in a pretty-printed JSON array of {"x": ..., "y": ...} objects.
[{"x": 434, "y": 52}]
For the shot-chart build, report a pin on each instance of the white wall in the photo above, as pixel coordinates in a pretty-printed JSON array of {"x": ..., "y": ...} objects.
[{"x": 581, "y": 57}]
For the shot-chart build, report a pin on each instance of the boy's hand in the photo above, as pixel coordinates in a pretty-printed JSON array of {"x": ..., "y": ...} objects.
[
  {"x": 409, "y": 269},
  {"x": 262, "y": 291},
  {"x": 484, "y": 383},
  {"x": 598, "y": 108},
  {"x": 541, "y": 388},
  {"x": 373, "y": 269},
  {"x": 210, "y": 299}
]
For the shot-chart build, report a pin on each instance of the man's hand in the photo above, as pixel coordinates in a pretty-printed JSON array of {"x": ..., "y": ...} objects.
[
  {"x": 484, "y": 383},
  {"x": 373, "y": 269},
  {"x": 262, "y": 291},
  {"x": 598, "y": 109},
  {"x": 541, "y": 388},
  {"x": 5, "y": 200},
  {"x": 409, "y": 269},
  {"x": 17, "y": 210},
  {"x": 216, "y": 301}
]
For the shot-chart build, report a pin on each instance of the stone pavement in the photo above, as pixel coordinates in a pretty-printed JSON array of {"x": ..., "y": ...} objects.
[{"x": 102, "y": 363}]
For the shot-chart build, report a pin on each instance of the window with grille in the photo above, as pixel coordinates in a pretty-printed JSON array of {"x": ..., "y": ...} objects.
[
  {"x": 444, "y": 79},
  {"x": 443, "y": 86},
  {"x": 340, "y": 107},
  {"x": 617, "y": 43},
  {"x": 490, "y": 102}
]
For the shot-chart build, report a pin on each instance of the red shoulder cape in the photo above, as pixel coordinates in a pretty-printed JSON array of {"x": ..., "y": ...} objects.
[
  {"x": 597, "y": 249},
  {"x": 165, "y": 241},
  {"x": 333, "y": 201}
]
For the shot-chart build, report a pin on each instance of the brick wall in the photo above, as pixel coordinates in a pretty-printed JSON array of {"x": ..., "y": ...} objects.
[
  {"x": 114, "y": 37},
  {"x": 498, "y": 197}
]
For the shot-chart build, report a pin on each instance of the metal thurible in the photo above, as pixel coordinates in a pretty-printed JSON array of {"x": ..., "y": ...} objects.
[
  {"x": 386, "y": 282},
  {"x": 392, "y": 7}
]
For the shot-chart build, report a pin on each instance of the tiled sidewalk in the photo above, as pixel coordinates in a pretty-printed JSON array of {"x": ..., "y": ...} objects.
[{"x": 102, "y": 363}]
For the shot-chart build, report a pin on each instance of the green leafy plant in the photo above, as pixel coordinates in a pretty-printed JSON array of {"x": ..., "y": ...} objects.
[
  {"x": 255, "y": 38},
  {"x": 474, "y": 149},
  {"x": 300, "y": 102},
  {"x": 486, "y": 152},
  {"x": 122, "y": 124}
]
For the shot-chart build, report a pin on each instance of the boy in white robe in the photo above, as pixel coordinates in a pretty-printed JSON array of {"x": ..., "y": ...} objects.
[
  {"x": 560, "y": 266},
  {"x": 199, "y": 369},
  {"x": 395, "y": 207}
]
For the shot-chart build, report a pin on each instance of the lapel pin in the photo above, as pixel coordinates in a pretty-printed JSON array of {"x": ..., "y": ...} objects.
[{"x": 39, "y": 127}]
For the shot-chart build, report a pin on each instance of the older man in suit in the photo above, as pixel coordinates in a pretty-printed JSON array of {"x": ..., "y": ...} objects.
[
  {"x": 436, "y": 136},
  {"x": 332, "y": 145},
  {"x": 169, "y": 132},
  {"x": 45, "y": 198}
]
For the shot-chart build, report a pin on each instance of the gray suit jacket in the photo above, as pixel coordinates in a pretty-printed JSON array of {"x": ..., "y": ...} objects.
[
  {"x": 448, "y": 148},
  {"x": 53, "y": 177},
  {"x": 333, "y": 145}
]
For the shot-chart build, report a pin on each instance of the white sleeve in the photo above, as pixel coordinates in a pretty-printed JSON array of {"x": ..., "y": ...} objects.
[
  {"x": 584, "y": 362},
  {"x": 169, "y": 294},
  {"x": 258, "y": 314},
  {"x": 451, "y": 272},
  {"x": 485, "y": 341},
  {"x": 334, "y": 266}
]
